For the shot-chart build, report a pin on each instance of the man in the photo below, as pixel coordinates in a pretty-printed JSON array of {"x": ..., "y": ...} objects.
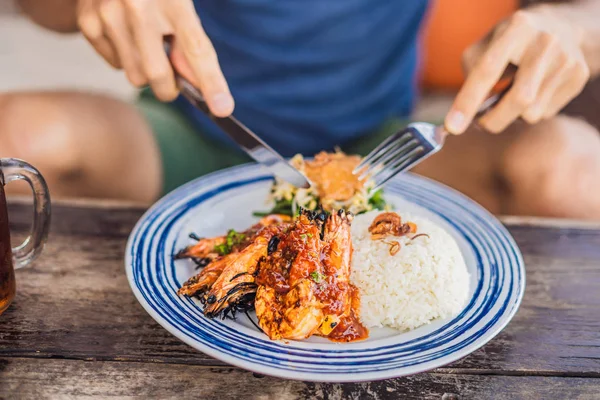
[{"x": 307, "y": 76}]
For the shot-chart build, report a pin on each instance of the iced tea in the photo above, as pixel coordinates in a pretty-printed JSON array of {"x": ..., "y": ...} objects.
[
  {"x": 12, "y": 169},
  {"x": 7, "y": 271}
]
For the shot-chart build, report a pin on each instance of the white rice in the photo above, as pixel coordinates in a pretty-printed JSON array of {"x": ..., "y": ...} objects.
[{"x": 427, "y": 279}]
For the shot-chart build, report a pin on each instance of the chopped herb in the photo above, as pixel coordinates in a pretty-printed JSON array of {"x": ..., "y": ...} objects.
[
  {"x": 303, "y": 236},
  {"x": 282, "y": 206},
  {"x": 297, "y": 212},
  {"x": 286, "y": 206},
  {"x": 309, "y": 235},
  {"x": 317, "y": 277},
  {"x": 222, "y": 249},
  {"x": 232, "y": 239},
  {"x": 377, "y": 200}
]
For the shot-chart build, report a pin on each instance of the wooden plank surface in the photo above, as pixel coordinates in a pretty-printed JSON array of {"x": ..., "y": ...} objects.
[
  {"x": 75, "y": 304},
  {"x": 78, "y": 379}
]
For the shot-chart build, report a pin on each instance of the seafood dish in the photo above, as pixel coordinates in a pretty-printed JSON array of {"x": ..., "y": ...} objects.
[
  {"x": 334, "y": 267},
  {"x": 432, "y": 277},
  {"x": 334, "y": 187},
  {"x": 294, "y": 273}
]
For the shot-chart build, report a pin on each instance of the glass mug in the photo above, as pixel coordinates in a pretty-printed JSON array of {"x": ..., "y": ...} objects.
[{"x": 12, "y": 169}]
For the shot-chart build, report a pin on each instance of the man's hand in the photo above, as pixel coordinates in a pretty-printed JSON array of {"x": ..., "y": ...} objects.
[
  {"x": 551, "y": 70},
  {"x": 129, "y": 35}
]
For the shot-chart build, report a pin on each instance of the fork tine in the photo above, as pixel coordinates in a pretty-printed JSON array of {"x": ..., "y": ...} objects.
[
  {"x": 394, "y": 153},
  {"x": 421, "y": 153},
  {"x": 397, "y": 151},
  {"x": 392, "y": 172},
  {"x": 399, "y": 144},
  {"x": 393, "y": 141},
  {"x": 384, "y": 175},
  {"x": 382, "y": 149},
  {"x": 400, "y": 165},
  {"x": 390, "y": 139}
]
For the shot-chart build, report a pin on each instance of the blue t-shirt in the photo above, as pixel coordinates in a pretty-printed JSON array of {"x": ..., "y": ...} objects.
[{"x": 307, "y": 75}]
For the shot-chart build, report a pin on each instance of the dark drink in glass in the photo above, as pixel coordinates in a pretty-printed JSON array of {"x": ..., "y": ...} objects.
[
  {"x": 7, "y": 272},
  {"x": 11, "y": 258}
]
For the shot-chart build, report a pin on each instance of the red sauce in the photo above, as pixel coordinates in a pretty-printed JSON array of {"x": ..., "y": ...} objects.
[
  {"x": 304, "y": 243},
  {"x": 333, "y": 295},
  {"x": 349, "y": 329},
  {"x": 273, "y": 279},
  {"x": 300, "y": 255}
]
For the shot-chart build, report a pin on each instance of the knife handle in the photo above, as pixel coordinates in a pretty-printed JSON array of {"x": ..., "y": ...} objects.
[
  {"x": 248, "y": 141},
  {"x": 187, "y": 89},
  {"x": 507, "y": 78}
]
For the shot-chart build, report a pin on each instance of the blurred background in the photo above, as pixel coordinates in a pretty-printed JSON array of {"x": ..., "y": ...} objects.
[{"x": 33, "y": 58}]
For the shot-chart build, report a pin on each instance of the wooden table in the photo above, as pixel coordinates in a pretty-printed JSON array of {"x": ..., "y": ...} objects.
[{"x": 76, "y": 330}]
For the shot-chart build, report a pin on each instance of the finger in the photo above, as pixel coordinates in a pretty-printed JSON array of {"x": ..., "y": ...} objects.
[
  {"x": 202, "y": 59},
  {"x": 474, "y": 52},
  {"x": 537, "y": 62},
  {"x": 90, "y": 25},
  {"x": 554, "y": 79},
  {"x": 105, "y": 48},
  {"x": 487, "y": 71},
  {"x": 181, "y": 64},
  {"x": 112, "y": 14},
  {"x": 569, "y": 90},
  {"x": 144, "y": 22}
]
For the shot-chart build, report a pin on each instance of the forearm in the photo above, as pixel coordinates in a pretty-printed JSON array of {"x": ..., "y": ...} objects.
[
  {"x": 584, "y": 14},
  {"x": 57, "y": 15}
]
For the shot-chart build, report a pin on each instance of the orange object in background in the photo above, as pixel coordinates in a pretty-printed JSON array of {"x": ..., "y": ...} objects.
[{"x": 451, "y": 27}]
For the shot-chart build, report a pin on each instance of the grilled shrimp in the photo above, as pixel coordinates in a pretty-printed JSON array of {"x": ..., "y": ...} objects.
[
  {"x": 296, "y": 274},
  {"x": 275, "y": 219},
  {"x": 342, "y": 322},
  {"x": 235, "y": 286},
  {"x": 199, "y": 284},
  {"x": 338, "y": 250},
  {"x": 292, "y": 311},
  {"x": 296, "y": 315},
  {"x": 205, "y": 248}
]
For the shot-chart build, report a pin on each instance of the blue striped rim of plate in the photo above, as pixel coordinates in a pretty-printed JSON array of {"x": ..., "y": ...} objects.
[{"x": 210, "y": 205}]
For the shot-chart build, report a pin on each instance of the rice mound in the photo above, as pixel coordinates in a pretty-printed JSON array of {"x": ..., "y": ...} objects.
[{"x": 427, "y": 279}]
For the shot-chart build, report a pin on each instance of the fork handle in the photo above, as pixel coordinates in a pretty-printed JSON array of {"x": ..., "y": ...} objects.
[{"x": 495, "y": 98}]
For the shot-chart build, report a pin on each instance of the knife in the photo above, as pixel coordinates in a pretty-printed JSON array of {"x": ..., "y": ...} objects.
[{"x": 253, "y": 145}]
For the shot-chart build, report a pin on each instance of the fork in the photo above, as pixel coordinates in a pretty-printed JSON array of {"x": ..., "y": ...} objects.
[{"x": 412, "y": 145}]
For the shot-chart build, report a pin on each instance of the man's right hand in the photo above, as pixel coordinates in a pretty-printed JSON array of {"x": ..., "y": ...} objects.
[{"x": 129, "y": 35}]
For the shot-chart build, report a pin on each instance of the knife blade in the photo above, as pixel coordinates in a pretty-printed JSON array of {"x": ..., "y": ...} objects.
[{"x": 253, "y": 145}]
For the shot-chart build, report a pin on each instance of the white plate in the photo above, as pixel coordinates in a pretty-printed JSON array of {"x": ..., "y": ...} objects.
[{"x": 212, "y": 204}]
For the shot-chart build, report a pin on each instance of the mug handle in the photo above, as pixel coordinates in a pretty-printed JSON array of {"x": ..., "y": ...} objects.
[{"x": 12, "y": 169}]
